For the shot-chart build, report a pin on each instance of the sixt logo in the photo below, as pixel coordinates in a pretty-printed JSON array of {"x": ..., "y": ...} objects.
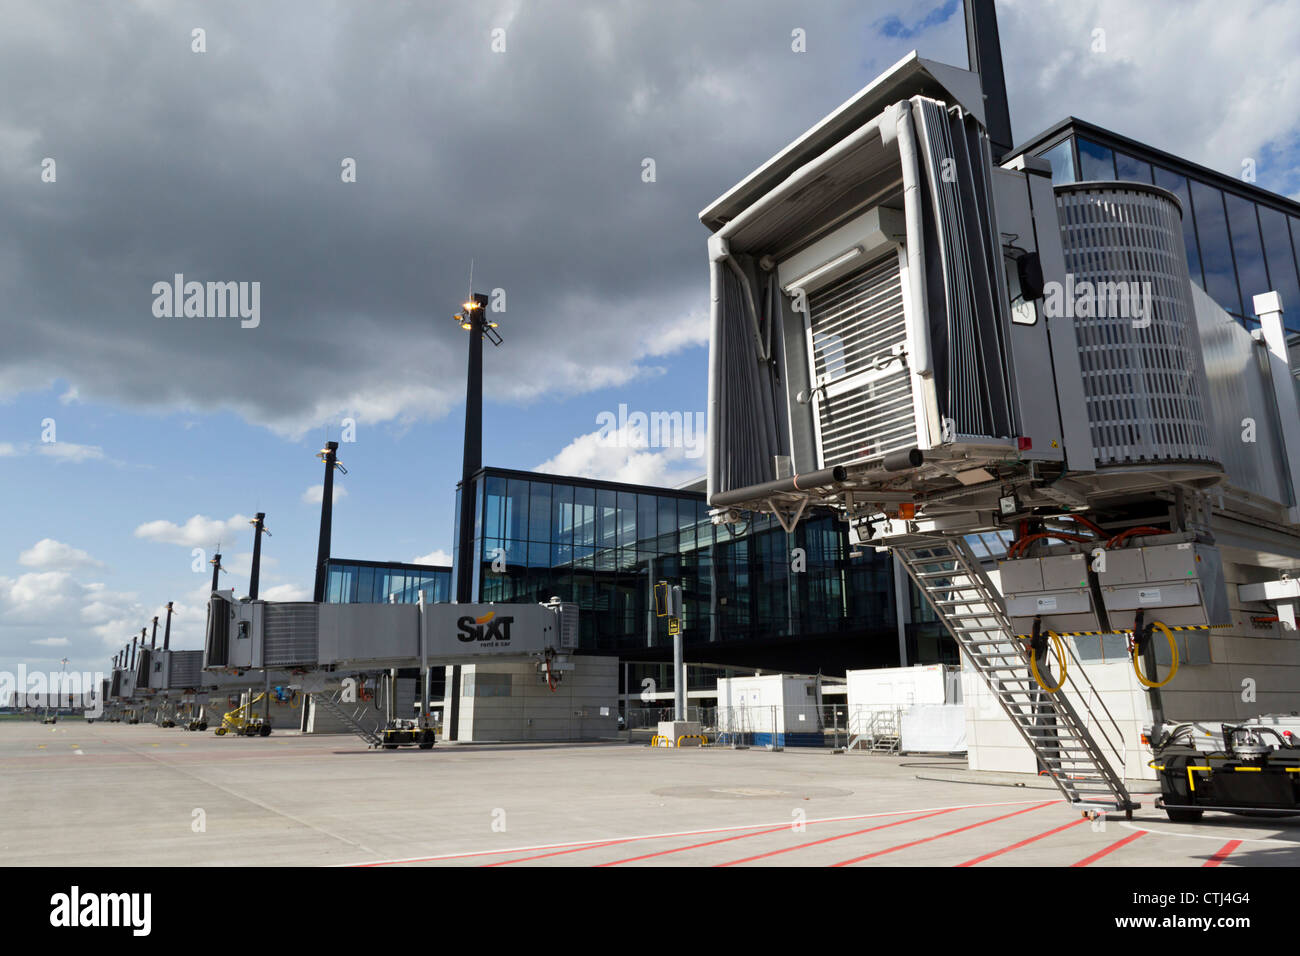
[{"x": 489, "y": 627}]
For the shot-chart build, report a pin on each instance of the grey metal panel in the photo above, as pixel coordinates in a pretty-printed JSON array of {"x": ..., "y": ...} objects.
[
  {"x": 1064, "y": 346},
  {"x": 1065, "y": 571},
  {"x": 1022, "y": 575},
  {"x": 289, "y": 634},
  {"x": 1236, "y": 366},
  {"x": 369, "y": 632},
  {"x": 1030, "y": 356}
]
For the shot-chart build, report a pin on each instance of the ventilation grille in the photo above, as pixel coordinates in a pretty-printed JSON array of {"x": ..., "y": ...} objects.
[
  {"x": 864, "y": 390},
  {"x": 185, "y": 669},
  {"x": 568, "y": 627},
  {"x": 1143, "y": 374},
  {"x": 289, "y": 634}
]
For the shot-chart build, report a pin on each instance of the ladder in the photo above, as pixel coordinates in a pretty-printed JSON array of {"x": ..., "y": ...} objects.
[
  {"x": 327, "y": 703},
  {"x": 1079, "y": 762}
]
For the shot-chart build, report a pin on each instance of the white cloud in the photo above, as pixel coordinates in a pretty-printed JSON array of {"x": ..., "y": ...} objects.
[
  {"x": 52, "y": 642},
  {"x": 285, "y": 592},
  {"x": 70, "y": 397},
  {"x": 199, "y": 531},
  {"x": 9, "y": 450},
  {"x": 315, "y": 494},
  {"x": 1208, "y": 83},
  {"x": 70, "y": 451},
  {"x": 51, "y": 555},
  {"x": 621, "y": 455},
  {"x": 438, "y": 556}
]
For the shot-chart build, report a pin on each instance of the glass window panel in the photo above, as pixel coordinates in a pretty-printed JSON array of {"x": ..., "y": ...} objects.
[
  {"x": 667, "y": 524},
  {"x": 1061, "y": 156},
  {"x": 1216, "y": 253},
  {"x": 584, "y": 516},
  {"x": 539, "y": 511},
  {"x": 539, "y": 554},
  {"x": 562, "y": 514},
  {"x": 1252, "y": 277},
  {"x": 686, "y": 523},
  {"x": 1095, "y": 162},
  {"x": 495, "y": 509},
  {"x": 516, "y": 517},
  {"x": 626, "y": 520},
  {"x": 606, "y": 519},
  {"x": 1281, "y": 258},
  {"x": 366, "y": 586},
  {"x": 647, "y": 521},
  {"x": 1178, "y": 186},
  {"x": 1131, "y": 169}
]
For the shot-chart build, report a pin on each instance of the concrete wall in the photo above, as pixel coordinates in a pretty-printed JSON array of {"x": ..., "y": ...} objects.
[
  {"x": 584, "y": 706},
  {"x": 1216, "y": 690}
]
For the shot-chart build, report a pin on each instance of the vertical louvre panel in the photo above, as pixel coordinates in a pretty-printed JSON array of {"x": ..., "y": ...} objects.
[
  {"x": 1143, "y": 377},
  {"x": 859, "y": 343},
  {"x": 289, "y": 634}
]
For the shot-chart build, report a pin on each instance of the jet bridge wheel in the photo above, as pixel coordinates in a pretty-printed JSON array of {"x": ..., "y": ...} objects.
[{"x": 265, "y": 730}]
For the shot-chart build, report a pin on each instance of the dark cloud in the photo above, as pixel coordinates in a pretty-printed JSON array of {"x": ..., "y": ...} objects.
[{"x": 226, "y": 166}]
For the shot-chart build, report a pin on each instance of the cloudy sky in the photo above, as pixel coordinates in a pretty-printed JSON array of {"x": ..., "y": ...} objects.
[{"x": 514, "y": 135}]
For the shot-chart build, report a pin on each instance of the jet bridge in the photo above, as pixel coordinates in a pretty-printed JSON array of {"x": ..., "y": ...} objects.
[
  {"x": 324, "y": 645},
  {"x": 934, "y": 344}
]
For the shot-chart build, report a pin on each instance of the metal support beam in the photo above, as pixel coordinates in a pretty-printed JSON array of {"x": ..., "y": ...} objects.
[{"x": 984, "y": 50}]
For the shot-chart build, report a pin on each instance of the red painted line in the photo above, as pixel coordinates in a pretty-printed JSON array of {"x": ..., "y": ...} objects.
[
  {"x": 591, "y": 844},
  {"x": 938, "y": 836},
  {"x": 1223, "y": 853},
  {"x": 1110, "y": 849},
  {"x": 838, "y": 836},
  {"x": 1017, "y": 846},
  {"x": 695, "y": 846}
]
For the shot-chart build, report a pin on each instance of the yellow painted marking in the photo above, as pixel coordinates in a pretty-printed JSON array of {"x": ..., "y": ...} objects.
[
  {"x": 1249, "y": 769},
  {"x": 1191, "y": 781}
]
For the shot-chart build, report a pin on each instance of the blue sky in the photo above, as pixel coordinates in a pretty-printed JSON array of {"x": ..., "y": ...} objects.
[{"x": 224, "y": 165}]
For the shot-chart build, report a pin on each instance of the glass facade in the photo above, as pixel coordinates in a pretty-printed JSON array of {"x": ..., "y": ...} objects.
[
  {"x": 372, "y": 582},
  {"x": 1240, "y": 240},
  {"x": 604, "y": 545}
]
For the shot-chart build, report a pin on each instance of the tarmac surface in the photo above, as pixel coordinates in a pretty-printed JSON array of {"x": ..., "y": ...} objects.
[{"x": 111, "y": 794}]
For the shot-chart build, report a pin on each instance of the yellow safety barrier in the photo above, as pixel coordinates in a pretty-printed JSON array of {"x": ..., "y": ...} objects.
[
  {"x": 655, "y": 741},
  {"x": 704, "y": 741}
]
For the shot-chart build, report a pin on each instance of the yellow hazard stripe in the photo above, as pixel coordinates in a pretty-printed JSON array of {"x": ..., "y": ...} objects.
[{"x": 1129, "y": 630}]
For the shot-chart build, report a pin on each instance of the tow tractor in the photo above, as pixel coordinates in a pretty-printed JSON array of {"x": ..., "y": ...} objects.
[{"x": 1251, "y": 769}]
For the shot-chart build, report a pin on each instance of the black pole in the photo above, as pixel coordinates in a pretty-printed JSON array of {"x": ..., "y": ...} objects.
[
  {"x": 167, "y": 631},
  {"x": 131, "y": 666},
  {"x": 984, "y": 50},
  {"x": 153, "y": 638},
  {"x": 329, "y": 455},
  {"x": 257, "y": 555},
  {"x": 216, "y": 569},
  {"x": 473, "y": 460}
]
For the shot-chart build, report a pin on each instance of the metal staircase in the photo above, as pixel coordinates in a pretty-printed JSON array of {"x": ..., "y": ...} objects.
[
  {"x": 331, "y": 706},
  {"x": 1078, "y": 754},
  {"x": 877, "y": 732}
]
